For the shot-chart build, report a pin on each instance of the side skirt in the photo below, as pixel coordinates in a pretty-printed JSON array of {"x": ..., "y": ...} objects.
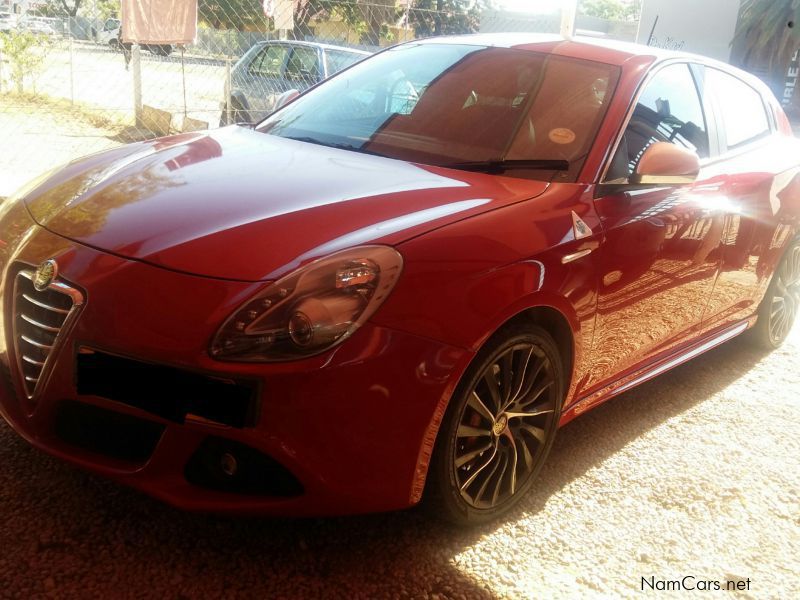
[{"x": 631, "y": 380}]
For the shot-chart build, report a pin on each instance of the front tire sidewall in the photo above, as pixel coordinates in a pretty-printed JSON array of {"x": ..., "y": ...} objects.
[{"x": 443, "y": 490}]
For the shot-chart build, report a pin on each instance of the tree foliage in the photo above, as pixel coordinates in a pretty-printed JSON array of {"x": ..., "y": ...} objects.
[
  {"x": 371, "y": 18},
  {"x": 612, "y": 10},
  {"x": 770, "y": 32},
  {"x": 444, "y": 17},
  {"x": 106, "y": 9},
  {"x": 26, "y": 53},
  {"x": 232, "y": 14}
]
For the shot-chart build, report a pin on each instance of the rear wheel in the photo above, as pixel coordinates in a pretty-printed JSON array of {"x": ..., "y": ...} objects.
[
  {"x": 498, "y": 428},
  {"x": 778, "y": 310}
]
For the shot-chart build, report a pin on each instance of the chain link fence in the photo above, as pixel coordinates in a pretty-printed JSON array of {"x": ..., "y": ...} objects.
[{"x": 69, "y": 86}]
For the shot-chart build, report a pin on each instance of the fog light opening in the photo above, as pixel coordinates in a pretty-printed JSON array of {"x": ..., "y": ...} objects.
[{"x": 228, "y": 464}]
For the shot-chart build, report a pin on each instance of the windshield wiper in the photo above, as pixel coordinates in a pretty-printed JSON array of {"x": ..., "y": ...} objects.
[
  {"x": 496, "y": 167},
  {"x": 350, "y": 147}
]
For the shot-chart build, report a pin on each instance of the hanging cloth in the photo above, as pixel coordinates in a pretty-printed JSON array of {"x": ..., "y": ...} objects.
[{"x": 159, "y": 21}]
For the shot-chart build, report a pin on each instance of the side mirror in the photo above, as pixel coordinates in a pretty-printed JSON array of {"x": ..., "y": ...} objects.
[
  {"x": 665, "y": 163},
  {"x": 285, "y": 98}
]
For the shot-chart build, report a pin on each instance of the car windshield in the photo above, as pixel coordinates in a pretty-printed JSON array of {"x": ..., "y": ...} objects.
[{"x": 460, "y": 106}]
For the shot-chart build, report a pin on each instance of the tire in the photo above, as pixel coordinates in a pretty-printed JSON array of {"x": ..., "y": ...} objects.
[
  {"x": 463, "y": 486},
  {"x": 160, "y": 50},
  {"x": 115, "y": 45},
  {"x": 778, "y": 310},
  {"x": 238, "y": 114}
]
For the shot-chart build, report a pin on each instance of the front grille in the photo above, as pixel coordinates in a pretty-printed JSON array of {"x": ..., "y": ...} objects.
[{"x": 39, "y": 318}]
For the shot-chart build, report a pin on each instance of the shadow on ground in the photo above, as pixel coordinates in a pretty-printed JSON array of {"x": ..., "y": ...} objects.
[{"x": 71, "y": 533}]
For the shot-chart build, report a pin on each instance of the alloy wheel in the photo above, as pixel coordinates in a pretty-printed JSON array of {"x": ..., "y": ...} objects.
[
  {"x": 786, "y": 297},
  {"x": 503, "y": 431}
]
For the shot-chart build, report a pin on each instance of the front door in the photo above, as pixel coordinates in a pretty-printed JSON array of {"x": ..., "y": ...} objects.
[{"x": 661, "y": 248}]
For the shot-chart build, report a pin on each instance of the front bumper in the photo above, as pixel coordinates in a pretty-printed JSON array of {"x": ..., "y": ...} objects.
[{"x": 354, "y": 426}]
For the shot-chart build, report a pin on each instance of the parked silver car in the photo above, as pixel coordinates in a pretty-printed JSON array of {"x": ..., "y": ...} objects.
[{"x": 271, "y": 68}]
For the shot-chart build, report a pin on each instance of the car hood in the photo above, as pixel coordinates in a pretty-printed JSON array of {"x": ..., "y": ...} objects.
[{"x": 238, "y": 204}]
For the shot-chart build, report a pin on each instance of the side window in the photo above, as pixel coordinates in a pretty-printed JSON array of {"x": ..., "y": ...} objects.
[
  {"x": 269, "y": 62},
  {"x": 337, "y": 60},
  {"x": 740, "y": 107},
  {"x": 303, "y": 65},
  {"x": 668, "y": 110}
]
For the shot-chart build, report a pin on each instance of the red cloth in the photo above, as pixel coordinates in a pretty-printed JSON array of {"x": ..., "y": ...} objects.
[{"x": 159, "y": 21}]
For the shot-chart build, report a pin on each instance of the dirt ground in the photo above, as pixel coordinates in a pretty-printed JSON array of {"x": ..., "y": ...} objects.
[{"x": 38, "y": 135}]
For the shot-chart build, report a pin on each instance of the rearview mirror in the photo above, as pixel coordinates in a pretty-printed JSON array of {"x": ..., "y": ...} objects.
[
  {"x": 666, "y": 163},
  {"x": 285, "y": 98}
]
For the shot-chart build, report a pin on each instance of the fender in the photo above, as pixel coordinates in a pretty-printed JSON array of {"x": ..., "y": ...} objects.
[{"x": 445, "y": 294}]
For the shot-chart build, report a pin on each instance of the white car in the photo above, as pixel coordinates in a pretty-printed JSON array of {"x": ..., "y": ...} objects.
[{"x": 110, "y": 35}]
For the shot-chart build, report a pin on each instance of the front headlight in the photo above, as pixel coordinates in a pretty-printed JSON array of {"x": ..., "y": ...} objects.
[{"x": 312, "y": 309}]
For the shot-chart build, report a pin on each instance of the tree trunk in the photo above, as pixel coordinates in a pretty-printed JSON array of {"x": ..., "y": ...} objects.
[
  {"x": 71, "y": 10},
  {"x": 437, "y": 18},
  {"x": 376, "y": 13}
]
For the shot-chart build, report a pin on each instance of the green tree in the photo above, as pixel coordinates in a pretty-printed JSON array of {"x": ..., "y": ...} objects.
[
  {"x": 613, "y": 10},
  {"x": 26, "y": 53},
  {"x": 770, "y": 33},
  {"x": 443, "y": 17},
  {"x": 106, "y": 9},
  {"x": 232, "y": 14}
]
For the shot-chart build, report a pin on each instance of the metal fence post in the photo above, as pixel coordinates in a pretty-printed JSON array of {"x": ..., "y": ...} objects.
[
  {"x": 137, "y": 83},
  {"x": 228, "y": 110},
  {"x": 71, "y": 64},
  {"x": 570, "y": 8}
]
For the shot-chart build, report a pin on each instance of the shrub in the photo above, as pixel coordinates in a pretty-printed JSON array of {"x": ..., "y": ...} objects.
[{"x": 25, "y": 52}]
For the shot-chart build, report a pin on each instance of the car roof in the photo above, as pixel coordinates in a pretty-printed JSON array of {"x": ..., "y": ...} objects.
[
  {"x": 589, "y": 48},
  {"x": 603, "y": 50},
  {"x": 315, "y": 45}
]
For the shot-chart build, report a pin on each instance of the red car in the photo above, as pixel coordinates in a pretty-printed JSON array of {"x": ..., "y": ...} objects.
[{"x": 402, "y": 282}]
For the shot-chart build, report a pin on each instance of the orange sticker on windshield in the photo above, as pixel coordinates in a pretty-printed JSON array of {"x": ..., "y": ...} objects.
[{"x": 562, "y": 135}]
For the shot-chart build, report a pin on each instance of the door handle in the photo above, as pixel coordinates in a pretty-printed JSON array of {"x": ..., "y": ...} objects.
[{"x": 568, "y": 258}]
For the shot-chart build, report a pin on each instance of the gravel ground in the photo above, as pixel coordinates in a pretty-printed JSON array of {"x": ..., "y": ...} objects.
[{"x": 695, "y": 473}]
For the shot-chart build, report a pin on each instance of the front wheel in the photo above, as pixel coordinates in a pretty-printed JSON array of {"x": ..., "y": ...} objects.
[
  {"x": 498, "y": 428},
  {"x": 778, "y": 310}
]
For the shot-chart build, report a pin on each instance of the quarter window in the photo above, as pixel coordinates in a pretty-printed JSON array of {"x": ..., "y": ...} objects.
[
  {"x": 337, "y": 60},
  {"x": 740, "y": 107},
  {"x": 668, "y": 110}
]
